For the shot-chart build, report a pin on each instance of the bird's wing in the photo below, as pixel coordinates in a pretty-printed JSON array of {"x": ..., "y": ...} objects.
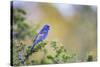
[
  {"x": 40, "y": 36},
  {"x": 38, "y": 39}
]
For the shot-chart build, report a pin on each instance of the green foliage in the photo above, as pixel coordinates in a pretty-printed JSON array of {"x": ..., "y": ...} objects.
[
  {"x": 21, "y": 28},
  {"x": 16, "y": 49},
  {"x": 53, "y": 44},
  {"x": 39, "y": 46},
  {"x": 61, "y": 55},
  {"x": 90, "y": 58},
  {"x": 46, "y": 61},
  {"x": 49, "y": 57}
]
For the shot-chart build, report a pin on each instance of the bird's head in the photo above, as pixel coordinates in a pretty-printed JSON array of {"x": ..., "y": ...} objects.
[{"x": 47, "y": 26}]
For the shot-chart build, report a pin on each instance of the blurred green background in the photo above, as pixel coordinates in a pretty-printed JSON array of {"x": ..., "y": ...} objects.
[{"x": 72, "y": 26}]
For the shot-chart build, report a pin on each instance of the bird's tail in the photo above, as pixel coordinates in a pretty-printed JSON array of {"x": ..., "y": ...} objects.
[{"x": 32, "y": 47}]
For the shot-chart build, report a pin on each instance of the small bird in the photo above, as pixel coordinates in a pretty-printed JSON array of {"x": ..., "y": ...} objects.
[{"x": 41, "y": 35}]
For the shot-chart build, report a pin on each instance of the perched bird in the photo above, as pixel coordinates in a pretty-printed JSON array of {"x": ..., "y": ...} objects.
[{"x": 41, "y": 35}]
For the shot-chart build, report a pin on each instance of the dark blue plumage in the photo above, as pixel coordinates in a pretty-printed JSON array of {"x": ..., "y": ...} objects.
[{"x": 41, "y": 35}]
